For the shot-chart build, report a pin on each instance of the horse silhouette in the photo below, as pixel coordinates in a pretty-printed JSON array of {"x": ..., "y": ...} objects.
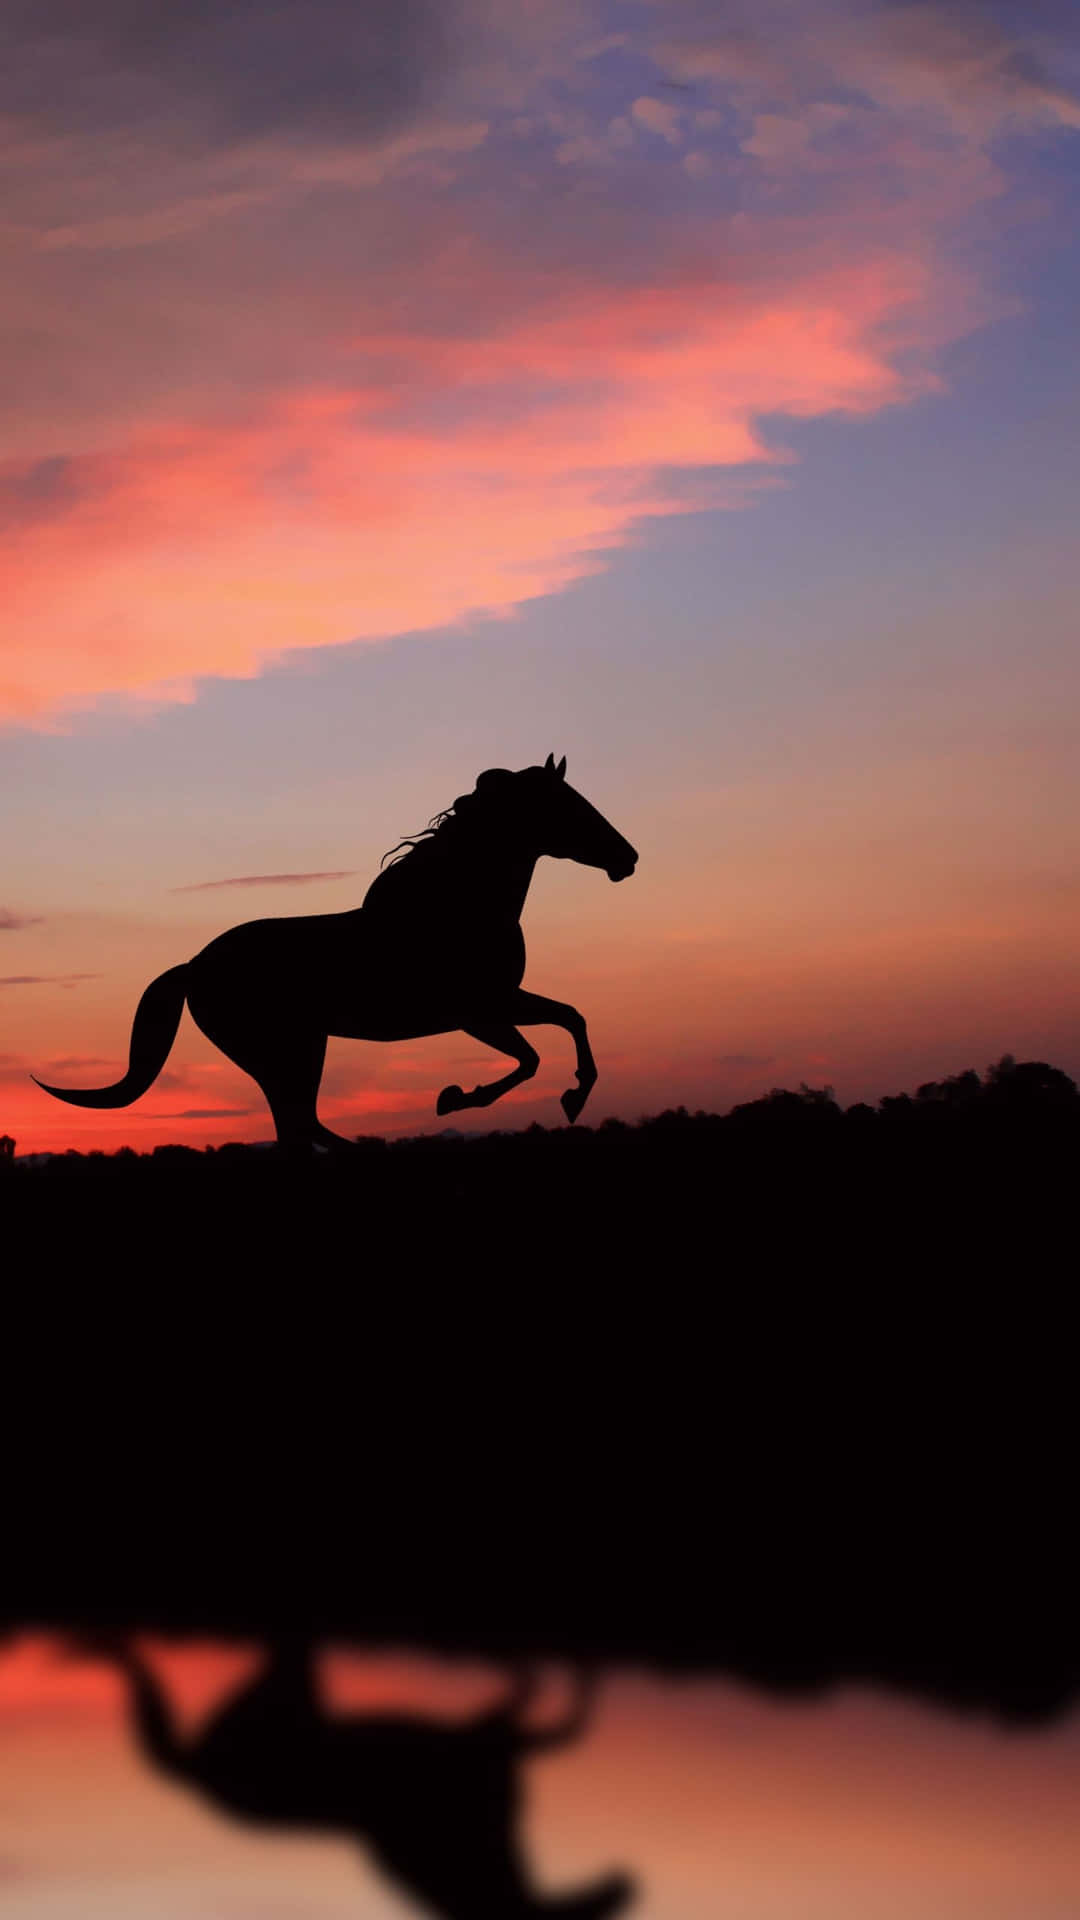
[
  {"x": 436, "y": 1802},
  {"x": 436, "y": 947}
]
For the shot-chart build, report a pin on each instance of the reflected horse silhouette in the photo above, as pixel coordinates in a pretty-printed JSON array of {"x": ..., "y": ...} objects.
[
  {"x": 436, "y": 947},
  {"x": 436, "y": 1802}
]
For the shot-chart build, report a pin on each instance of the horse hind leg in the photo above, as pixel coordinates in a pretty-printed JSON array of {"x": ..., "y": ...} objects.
[
  {"x": 288, "y": 1069},
  {"x": 291, "y": 1086},
  {"x": 337, "y": 1142}
]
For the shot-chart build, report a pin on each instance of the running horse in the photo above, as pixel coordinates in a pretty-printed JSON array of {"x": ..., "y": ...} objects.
[{"x": 436, "y": 947}]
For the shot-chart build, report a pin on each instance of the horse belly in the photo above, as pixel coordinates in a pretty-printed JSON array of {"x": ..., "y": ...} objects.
[
  {"x": 387, "y": 1020},
  {"x": 387, "y": 1031},
  {"x": 434, "y": 986}
]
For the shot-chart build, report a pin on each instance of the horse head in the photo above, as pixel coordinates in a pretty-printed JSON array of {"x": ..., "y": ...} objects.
[{"x": 537, "y": 805}]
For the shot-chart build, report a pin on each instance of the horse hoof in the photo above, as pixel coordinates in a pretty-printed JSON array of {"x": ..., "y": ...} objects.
[
  {"x": 572, "y": 1102},
  {"x": 450, "y": 1100}
]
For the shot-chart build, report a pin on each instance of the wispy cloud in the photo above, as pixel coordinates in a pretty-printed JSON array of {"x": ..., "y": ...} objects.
[
  {"x": 46, "y": 979},
  {"x": 15, "y": 922},
  {"x": 80, "y": 1063},
  {"x": 206, "y": 1113},
  {"x": 265, "y": 880}
]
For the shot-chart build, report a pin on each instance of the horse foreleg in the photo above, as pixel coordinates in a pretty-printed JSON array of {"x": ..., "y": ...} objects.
[
  {"x": 504, "y": 1039},
  {"x": 533, "y": 1009}
]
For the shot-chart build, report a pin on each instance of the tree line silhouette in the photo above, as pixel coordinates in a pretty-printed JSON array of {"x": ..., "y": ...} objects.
[{"x": 1010, "y": 1093}]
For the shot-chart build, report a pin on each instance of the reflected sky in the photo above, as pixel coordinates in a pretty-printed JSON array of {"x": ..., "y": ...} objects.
[{"x": 723, "y": 1801}]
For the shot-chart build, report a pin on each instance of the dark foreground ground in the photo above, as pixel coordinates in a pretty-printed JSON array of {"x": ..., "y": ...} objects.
[
  {"x": 929, "y": 1186},
  {"x": 788, "y": 1394}
]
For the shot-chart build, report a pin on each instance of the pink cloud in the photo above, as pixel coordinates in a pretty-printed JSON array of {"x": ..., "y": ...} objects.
[
  {"x": 350, "y": 512},
  {"x": 659, "y": 117},
  {"x": 292, "y": 393}
]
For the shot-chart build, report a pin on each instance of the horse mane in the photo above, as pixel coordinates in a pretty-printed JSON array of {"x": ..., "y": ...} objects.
[
  {"x": 444, "y": 827},
  {"x": 439, "y": 828}
]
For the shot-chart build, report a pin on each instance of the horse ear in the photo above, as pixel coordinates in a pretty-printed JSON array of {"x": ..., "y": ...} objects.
[
  {"x": 561, "y": 768},
  {"x": 549, "y": 763}
]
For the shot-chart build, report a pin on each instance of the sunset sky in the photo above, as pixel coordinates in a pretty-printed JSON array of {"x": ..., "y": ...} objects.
[{"x": 401, "y": 389}]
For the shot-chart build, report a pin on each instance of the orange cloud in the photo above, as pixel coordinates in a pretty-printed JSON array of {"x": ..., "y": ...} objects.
[{"x": 347, "y": 513}]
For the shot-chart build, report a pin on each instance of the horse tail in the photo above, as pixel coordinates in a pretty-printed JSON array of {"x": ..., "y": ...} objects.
[{"x": 153, "y": 1031}]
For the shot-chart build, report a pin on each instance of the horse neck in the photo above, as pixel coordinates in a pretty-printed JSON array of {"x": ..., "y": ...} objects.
[
  {"x": 496, "y": 877},
  {"x": 473, "y": 871}
]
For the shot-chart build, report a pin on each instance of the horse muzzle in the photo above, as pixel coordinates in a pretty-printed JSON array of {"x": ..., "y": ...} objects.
[{"x": 622, "y": 869}]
